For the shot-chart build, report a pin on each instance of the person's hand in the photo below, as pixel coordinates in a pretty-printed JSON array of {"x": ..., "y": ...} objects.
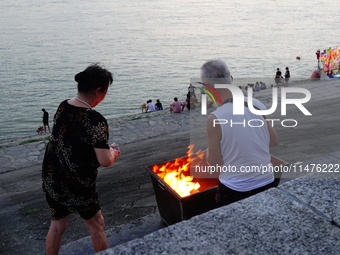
[{"x": 114, "y": 148}]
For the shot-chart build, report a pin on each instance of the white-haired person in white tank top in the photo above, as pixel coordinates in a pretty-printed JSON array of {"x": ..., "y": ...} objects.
[{"x": 234, "y": 144}]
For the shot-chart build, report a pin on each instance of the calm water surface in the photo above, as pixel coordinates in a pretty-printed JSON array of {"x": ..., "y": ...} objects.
[{"x": 153, "y": 48}]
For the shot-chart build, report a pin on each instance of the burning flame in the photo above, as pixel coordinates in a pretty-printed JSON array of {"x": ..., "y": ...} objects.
[{"x": 177, "y": 173}]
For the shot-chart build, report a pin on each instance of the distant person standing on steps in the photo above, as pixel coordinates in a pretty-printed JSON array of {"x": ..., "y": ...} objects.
[
  {"x": 77, "y": 147},
  {"x": 278, "y": 77},
  {"x": 287, "y": 76},
  {"x": 191, "y": 90},
  {"x": 45, "y": 120},
  {"x": 318, "y": 57}
]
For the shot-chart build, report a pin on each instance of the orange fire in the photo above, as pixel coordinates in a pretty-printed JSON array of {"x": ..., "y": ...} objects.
[{"x": 177, "y": 173}]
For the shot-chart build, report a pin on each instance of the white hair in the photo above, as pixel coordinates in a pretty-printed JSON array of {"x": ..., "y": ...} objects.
[{"x": 216, "y": 69}]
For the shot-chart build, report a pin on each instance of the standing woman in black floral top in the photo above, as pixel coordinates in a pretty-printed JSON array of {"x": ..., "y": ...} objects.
[{"x": 77, "y": 147}]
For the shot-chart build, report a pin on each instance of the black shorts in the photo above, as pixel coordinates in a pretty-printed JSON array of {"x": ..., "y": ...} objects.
[
  {"x": 226, "y": 196},
  {"x": 59, "y": 211}
]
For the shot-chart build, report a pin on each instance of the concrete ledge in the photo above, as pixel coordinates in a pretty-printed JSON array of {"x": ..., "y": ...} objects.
[
  {"x": 300, "y": 217},
  {"x": 317, "y": 192}
]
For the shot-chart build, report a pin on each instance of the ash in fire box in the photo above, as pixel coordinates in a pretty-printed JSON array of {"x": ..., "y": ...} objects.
[
  {"x": 77, "y": 147},
  {"x": 236, "y": 146}
]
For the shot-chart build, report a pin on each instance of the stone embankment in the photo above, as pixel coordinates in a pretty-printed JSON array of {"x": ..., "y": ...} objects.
[{"x": 301, "y": 216}]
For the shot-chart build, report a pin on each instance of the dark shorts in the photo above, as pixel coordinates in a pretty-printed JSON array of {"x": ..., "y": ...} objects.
[
  {"x": 59, "y": 211},
  {"x": 225, "y": 195}
]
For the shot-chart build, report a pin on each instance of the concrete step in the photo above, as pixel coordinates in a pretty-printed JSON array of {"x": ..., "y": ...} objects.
[{"x": 117, "y": 235}]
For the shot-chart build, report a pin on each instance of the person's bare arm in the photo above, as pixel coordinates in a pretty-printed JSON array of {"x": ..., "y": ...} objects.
[
  {"x": 105, "y": 157},
  {"x": 213, "y": 156}
]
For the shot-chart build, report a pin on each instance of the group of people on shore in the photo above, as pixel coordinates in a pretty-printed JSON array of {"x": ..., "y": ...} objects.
[
  {"x": 258, "y": 86},
  {"x": 279, "y": 80},
  {"x": 176, "y": 106},
  {"x": 149, "y": 106},
  {"x": 190, "y": 103},
  {"x": 79, "y": 145}
]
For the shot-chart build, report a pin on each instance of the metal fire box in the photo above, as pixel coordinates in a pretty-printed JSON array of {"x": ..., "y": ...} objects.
[{"x": 173, "y": 208}]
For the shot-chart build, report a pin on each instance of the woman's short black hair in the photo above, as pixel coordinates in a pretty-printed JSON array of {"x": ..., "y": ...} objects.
[{"x": 93, "y": 77}]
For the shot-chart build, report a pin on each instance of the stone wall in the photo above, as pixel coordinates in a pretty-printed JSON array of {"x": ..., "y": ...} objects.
[{"x": 301, "y": 216}]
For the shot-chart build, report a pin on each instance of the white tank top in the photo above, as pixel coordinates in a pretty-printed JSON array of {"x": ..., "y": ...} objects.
[{"x": 244, "y": 148}]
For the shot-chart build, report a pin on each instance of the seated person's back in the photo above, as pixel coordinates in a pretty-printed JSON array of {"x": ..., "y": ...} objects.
[{"x": 176, "y": 106}]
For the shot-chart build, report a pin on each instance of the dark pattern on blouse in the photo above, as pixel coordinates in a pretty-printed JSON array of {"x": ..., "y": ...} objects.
[{"x": 70, "y": 164}]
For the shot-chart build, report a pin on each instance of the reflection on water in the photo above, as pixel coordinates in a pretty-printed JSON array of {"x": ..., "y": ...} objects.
[{"x": 152, "y": 47}]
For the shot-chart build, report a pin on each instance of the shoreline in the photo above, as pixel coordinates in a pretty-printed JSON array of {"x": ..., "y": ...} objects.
[
  {"x": 6, "y": 142},
  {"x": 263, "y": 95}
]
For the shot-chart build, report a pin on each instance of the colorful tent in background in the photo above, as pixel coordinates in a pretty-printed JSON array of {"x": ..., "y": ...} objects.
[{"x": 329, "y": 60}]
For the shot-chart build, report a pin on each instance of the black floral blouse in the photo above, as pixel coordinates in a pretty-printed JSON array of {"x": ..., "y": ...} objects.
[{"x": 70, "y": 164}]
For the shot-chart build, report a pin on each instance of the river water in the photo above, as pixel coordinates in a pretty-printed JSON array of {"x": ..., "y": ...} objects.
[{"x": 153, "y": 48}]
